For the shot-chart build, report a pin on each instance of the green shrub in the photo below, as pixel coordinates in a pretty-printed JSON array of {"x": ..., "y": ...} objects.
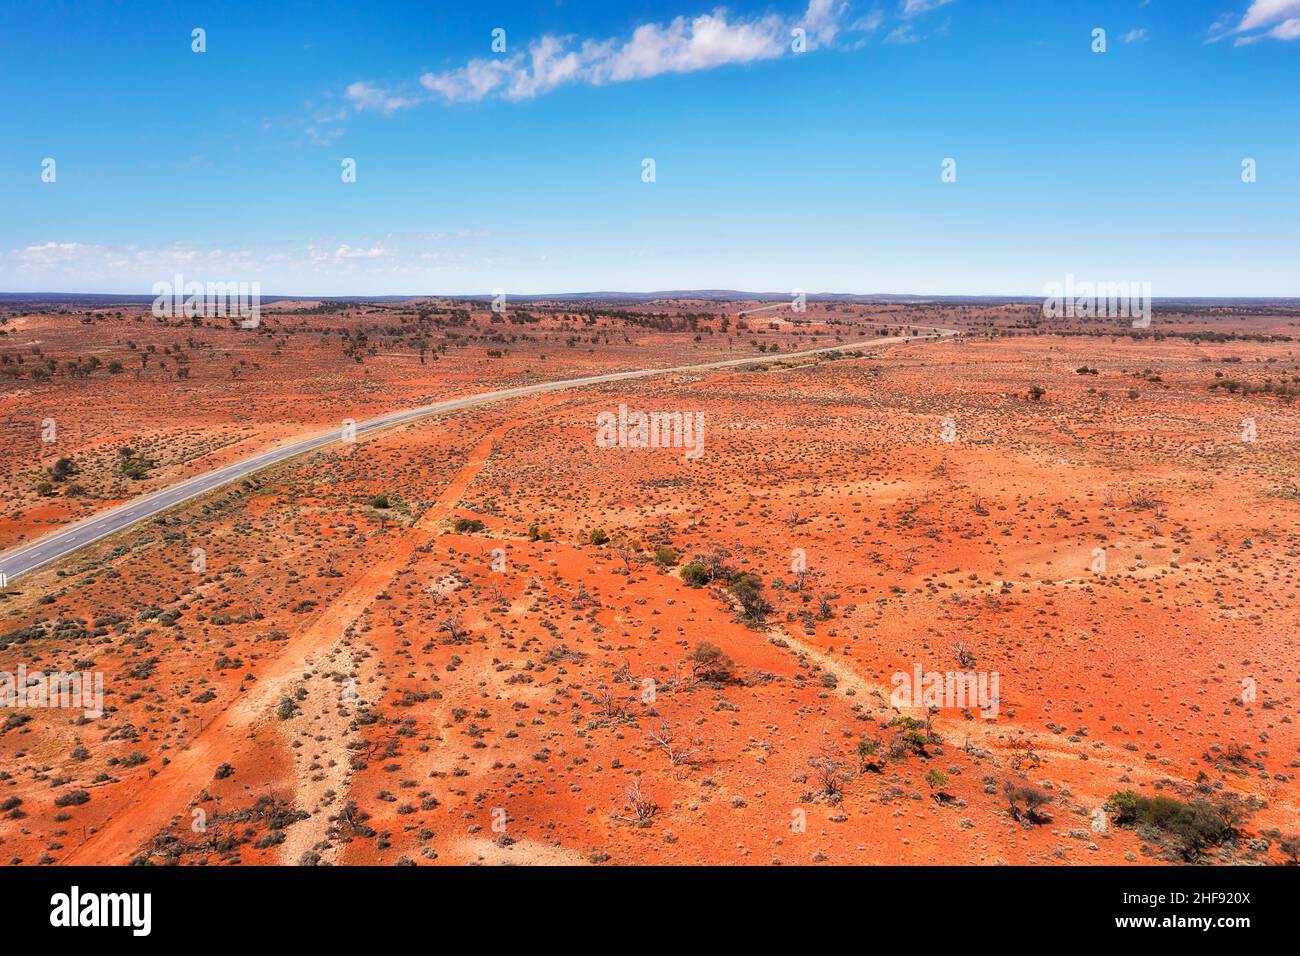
[
  {"x": 694, "y": 575},
  {"x": 63, "y": 469},
  {"x": 135, "y": 466},
  {"x": 748, "y": 589},
  {"x": 1192, "y": 825},
  {"x": 936, "y": 778}
]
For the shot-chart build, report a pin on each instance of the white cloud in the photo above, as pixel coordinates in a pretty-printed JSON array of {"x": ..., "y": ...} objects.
[
  {"x": 913, "y": 8},
  {"x": 365, "y": 96},
  {"x": 1135, "y": 36},
  {"x": 683, "y": 45},
  {"x": 71, "y": 264},
  {"x": 822, "y": 19},
  {"x": 1286, "y": 30},
  {"x": 1279, "y": 19},
  {"x": 1264, "y": 12},
  {"x": 346, "y": 251},
  {"x": 101, "y": 261},
  {"x": 707, "y": 41},
  {"x": 473, "y": 82},
  {"x": 49, "y": 254},
  {"x": 910, "y": 9},
  {"x": 902, "y": 34},
  {"x": 869, "y": 23}
]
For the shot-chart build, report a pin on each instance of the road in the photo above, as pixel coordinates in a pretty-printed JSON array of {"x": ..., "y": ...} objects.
[{"x": 66, "y": 541}]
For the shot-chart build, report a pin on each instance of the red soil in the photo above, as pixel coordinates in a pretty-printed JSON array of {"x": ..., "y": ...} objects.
[{"x": 436, "y": 674}]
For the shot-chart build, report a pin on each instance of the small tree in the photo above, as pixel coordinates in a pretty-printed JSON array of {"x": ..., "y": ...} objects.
[
  {"x": 869, "y": 756},
  {"x": 1025, "y": 801},
  {"x": 936, "y": 780},
  {"x": 63, "y": 469},
  {"x": 748, "y": 589},
  {"x": 708, "y": 663}
]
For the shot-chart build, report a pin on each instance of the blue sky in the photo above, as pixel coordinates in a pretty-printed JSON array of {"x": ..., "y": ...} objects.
[{"x": 774, "y": 169}]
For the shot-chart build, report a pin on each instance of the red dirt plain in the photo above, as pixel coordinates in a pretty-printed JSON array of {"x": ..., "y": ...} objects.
[
  {"x": 193, "y": 394},
  {"x": 351, "y": 683}
]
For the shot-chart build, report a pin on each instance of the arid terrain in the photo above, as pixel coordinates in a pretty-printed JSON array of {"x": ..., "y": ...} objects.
[{"x": 486, "y": 638}]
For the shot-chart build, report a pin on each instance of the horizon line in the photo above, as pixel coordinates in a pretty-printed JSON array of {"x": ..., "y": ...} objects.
[{"x": 720, "y": 295}]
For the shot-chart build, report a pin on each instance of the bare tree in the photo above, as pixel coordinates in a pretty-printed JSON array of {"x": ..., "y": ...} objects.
[
  {"x": 642, "y": 808},
  {"x": 1023, "y": 753},
  {"x": 832, "y": 772},
  {"x": 452, "y": 627},
  {"x": 611, "y": 707},
  {"x": 623, "y": 673},
  {"x": 715, "y": 562},
  {"x": 628, "y": 556},
  {"x": 582, "y": 599},
  {"x": 665, "y": 738}
]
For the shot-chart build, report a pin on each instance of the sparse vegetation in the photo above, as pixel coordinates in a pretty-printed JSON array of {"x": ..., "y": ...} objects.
[{"x": 1189, "y": 826}]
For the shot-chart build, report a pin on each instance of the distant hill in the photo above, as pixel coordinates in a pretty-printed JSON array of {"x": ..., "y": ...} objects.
[{"x": 32, "y": 300}]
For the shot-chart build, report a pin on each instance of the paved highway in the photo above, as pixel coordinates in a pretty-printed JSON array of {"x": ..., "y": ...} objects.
[{"x": 61, "y": 543}]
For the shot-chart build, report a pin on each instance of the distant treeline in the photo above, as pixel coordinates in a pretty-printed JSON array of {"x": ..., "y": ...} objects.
[{"x": 1150, "y": 334}]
